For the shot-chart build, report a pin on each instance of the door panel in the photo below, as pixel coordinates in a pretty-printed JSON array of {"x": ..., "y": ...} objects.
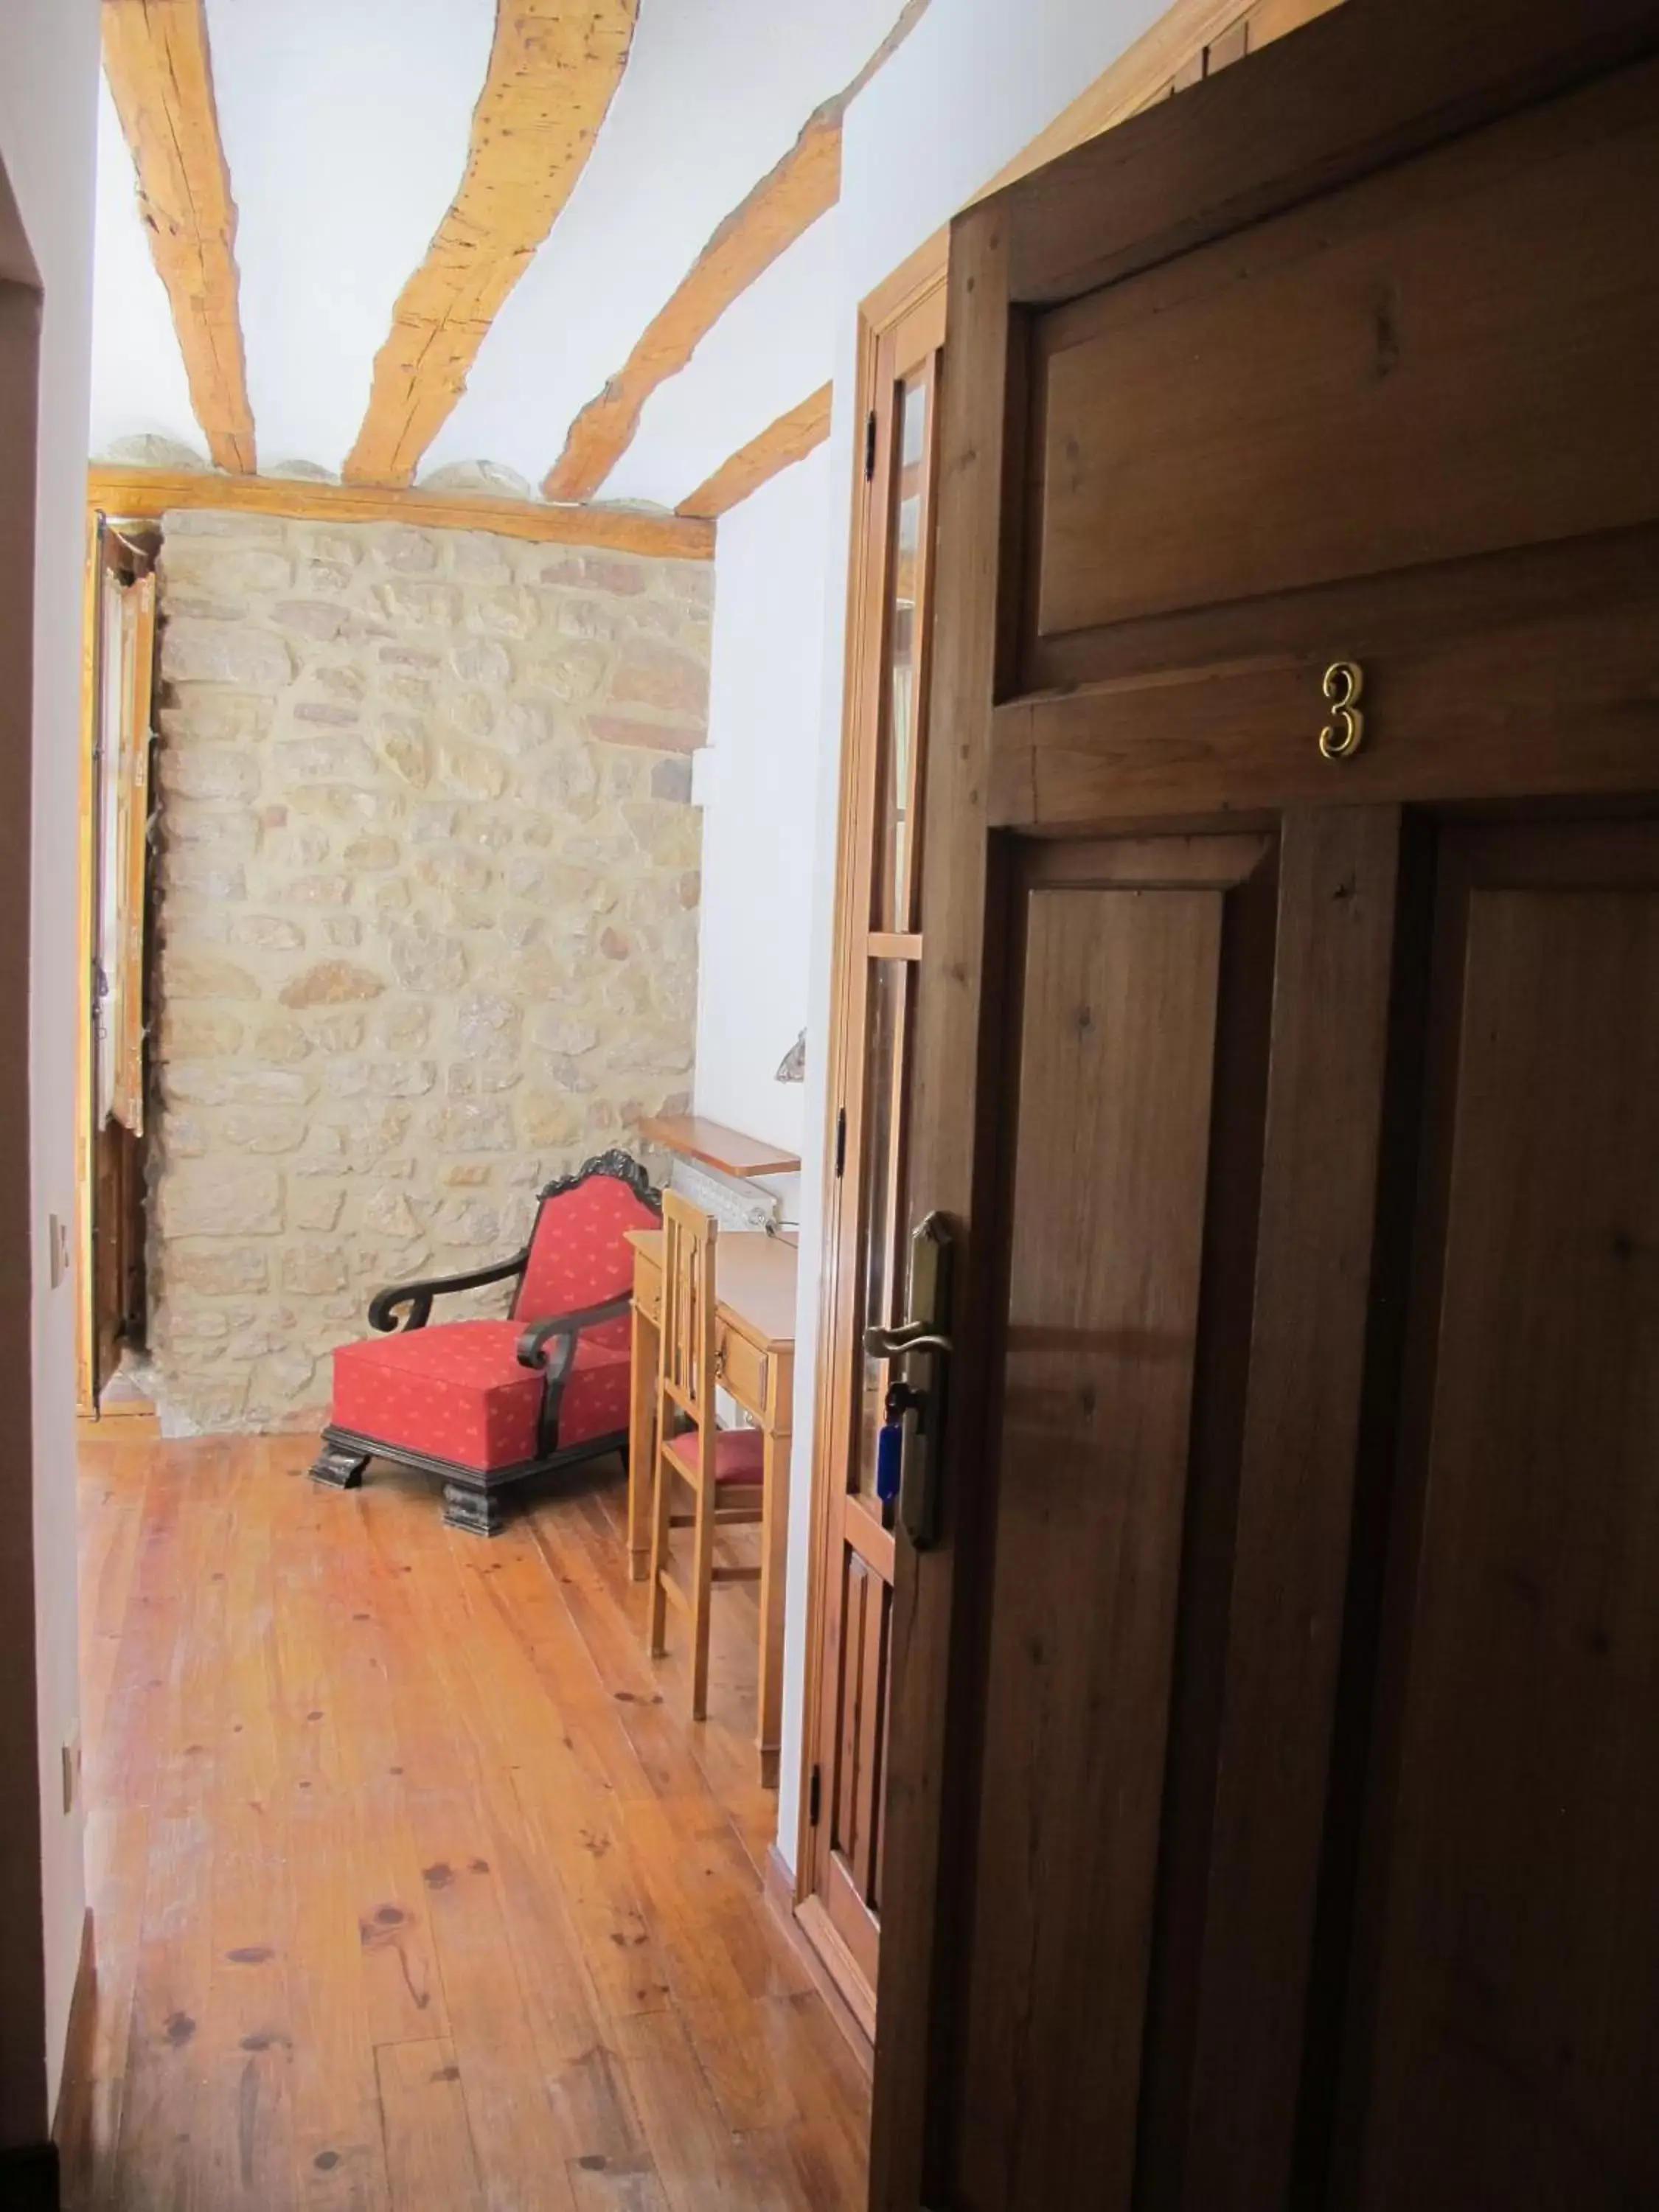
[
  {"x": 1115, "y": 1051},
  {"x": 850, "y": 1890},
  {"x": 1341, "y": 392},
  {"x": 1140, "y": 970},
  {"x": 1516, "y": 2049}
]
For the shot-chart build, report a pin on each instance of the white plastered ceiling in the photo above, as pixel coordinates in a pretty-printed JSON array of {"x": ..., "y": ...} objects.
[{"x": 345, "y": 127}]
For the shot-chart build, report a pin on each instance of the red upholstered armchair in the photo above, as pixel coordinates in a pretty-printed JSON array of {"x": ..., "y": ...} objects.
[{"x": 486, "y": 1403}]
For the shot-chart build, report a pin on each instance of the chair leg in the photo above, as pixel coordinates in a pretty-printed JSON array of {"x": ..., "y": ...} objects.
[
  {"x": 703, "y": 1578},
  {"x": 338, "y": 1466},
  {"x": 662, "y": 1499},
  {"x": 480, "y": 1512}
]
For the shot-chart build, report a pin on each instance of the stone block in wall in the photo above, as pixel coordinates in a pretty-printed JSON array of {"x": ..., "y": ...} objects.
[
  {"x": 219, "y": 1269},
  {"x": 266, "y": 1129},
  {"x": 598, "y": 572},
  {"x": 650, "y": 675},
  {"x": 213, "y": 1082},
  {"x": 219, "y": 652},
  {"x": 201, "y": 714},
  {"x": 470, "y": 1126},
  {"x": 642, "y": 731},
  {"x": 197, "y": 1198},
  {"x": 406, "y": 605},
  {"x": 316, "y": 1205},
  {"x": 331, "y": 982},
  {"x": 426, "y": 961},
  {"x": 313, "y": 1270},
  {"x": 334, "y": 759},
  {"x": 186, "y": 974},
  {"x": 477, "y": 771},
  {"x": 209, "y": 771},
  {"x": 227, "y": 831}
]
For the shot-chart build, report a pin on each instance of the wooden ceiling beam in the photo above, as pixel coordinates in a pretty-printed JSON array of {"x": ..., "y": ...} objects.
[
  {"x": 780, "y": 446},
  {"x": 805, "y": 185},
  {"x": 553, "y": 69},
  {"x": 160, "y": 73},
  {"x": 143, "y": 495}
]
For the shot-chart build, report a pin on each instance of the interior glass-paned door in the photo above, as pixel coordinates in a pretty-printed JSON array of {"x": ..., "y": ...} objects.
[{"x": 878, "y": 952}]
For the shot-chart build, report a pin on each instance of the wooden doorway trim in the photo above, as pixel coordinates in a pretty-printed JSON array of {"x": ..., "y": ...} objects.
[
  {"x": 25, "y": 2113},
  {"x": 912, "y": 296},
  {"x": 1362, "y": 89}
]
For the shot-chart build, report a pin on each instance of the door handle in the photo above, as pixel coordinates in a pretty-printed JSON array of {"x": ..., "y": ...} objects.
[
  {"x": 908, "y": 1449},
  {"x": 908, "y": 1336}
]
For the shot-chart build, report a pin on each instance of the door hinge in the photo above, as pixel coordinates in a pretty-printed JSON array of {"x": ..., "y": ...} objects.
[
  {"x": 870, "y": 445},
  {"x": 815, "y": 1797},
  {"x": 841, "y": 1143}
]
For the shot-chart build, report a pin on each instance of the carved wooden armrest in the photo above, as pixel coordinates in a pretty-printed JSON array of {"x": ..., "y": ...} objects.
[
  {"x": 533, "y": 1345},
  {"x": 419, "y": 1297}
]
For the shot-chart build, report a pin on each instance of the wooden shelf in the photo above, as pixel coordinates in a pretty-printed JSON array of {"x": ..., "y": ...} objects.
[{"x": 695, "y": 1138}]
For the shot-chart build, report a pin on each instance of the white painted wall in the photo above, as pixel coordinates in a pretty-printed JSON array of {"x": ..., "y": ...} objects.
[
  {"x": 139, "y": 387},
  {"x": 761, "y": 783},
  {"x": 48, "y": 89},
  {"x": 974, "y": 84}
]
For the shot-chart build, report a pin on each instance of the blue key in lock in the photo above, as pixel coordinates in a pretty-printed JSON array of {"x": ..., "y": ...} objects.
[{"x": 901, "y": 1398}]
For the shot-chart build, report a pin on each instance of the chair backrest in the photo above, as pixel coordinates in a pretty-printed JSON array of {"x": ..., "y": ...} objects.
[
  {"x": 578, "y": 1252},
  {"x": 687, "y": 1368}
]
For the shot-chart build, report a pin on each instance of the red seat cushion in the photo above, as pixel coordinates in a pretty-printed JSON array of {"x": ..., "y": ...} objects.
[
  {"x": 458, "y": 1393},
  {"x": 579, "y": 1255},
  {"x": 739, "y": 1456}
]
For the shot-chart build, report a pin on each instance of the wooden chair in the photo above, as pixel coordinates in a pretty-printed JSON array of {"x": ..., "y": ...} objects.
[{"x": 723, "y": 1468}]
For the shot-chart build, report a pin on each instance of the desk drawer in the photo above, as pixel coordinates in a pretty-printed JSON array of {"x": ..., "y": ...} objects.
[
  {"x": 743, "y": 1369},
  {"x": 647, "y": 1294}
]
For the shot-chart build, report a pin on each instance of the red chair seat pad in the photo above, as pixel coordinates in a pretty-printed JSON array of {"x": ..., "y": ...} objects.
[
  {"x": 457, "y": 1392},
  {"x": 739, "y": 1456}
]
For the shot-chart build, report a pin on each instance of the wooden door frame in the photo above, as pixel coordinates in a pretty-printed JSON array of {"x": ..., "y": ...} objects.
[
  {"x": 25, "y": 2115},
  {"x": 86, "y": 1351},
  {"x": 909, "y": 288},
  {"x": 110, "y": 1240},
  {"x": 1369, "y": 85}
]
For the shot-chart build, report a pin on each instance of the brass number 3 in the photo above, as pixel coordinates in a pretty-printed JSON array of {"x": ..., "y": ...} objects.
[{"x": 1344, "y": 685}]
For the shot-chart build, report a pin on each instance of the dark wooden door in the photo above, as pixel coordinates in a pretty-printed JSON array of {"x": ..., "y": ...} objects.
[{"x": 1271, "y": 1777}]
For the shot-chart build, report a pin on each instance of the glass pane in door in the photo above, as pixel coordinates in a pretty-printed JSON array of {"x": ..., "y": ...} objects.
[
  {"x": 896, "y": 810},
  {"x": 881, "y": 1197}
]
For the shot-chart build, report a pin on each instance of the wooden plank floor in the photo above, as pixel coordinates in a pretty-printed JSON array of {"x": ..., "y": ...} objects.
[{"x": 416, "y": 1888}]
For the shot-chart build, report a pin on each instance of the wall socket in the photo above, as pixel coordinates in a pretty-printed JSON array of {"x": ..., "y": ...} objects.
[
  {"x": 71, "y": 1757},
  {"x": 58, "y": 1241}
]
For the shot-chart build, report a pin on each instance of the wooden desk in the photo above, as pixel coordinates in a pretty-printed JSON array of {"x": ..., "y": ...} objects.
[{"x": 754, "y": 1359}]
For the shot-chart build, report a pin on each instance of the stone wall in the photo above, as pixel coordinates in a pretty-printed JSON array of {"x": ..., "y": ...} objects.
[{"x": 427, "y": 885}]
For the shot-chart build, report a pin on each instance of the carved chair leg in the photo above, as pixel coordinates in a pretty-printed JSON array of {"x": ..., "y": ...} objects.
[
  {"x": 339, "y": 1467},
  {"x": 480, "y": 1512}
]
